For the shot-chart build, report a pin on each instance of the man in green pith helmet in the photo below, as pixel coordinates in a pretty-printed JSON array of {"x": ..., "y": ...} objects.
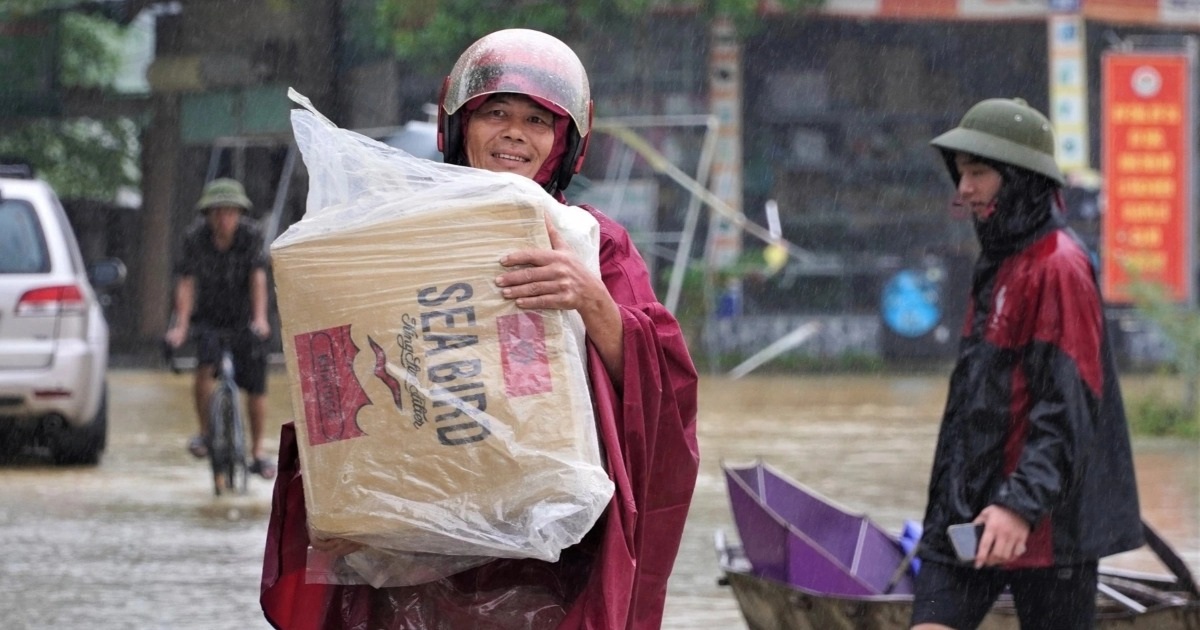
[
  {"x": 221, "y": 287},
  {"x": 1033, "y": 445}
]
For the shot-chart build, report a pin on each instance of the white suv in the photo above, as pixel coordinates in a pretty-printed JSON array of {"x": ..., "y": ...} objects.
[{"x": 53, "y": 334}]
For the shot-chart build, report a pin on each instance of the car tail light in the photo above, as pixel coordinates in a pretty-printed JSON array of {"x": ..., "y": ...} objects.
[{"x": 64, "y": 299}]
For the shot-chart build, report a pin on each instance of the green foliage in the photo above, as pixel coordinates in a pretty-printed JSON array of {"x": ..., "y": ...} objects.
[
  {"x": 432, "y": 33},
  {"x": 365, "y": 37},
  {"x": 21, "y": 9},
  {"x": 1155, "y": 415},
  {"x": 80, "y": 158},
  {"x": 1181, "y": 325},
  {"x": 89, "y": 56}
]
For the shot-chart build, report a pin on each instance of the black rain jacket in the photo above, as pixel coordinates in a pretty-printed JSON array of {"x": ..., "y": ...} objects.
[{"x": 1034, "y": 419}]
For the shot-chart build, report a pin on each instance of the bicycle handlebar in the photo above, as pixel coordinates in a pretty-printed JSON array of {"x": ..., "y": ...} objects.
[
  {"x": 178, "y": 365},
  {"x": 168, "y": 355}
]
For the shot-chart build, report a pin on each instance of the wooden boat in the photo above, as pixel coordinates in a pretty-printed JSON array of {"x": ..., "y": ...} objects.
[{"x": 805, "y": 562}]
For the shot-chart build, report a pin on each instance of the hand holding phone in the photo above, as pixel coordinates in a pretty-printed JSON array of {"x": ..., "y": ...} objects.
[{"x": 965, "y": 539}]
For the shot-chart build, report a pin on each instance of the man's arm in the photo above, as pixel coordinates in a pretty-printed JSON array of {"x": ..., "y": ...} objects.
[
  {"x": 606, "y": 330},
  {"x": 259, "y": 323},
  {"x": 556, "y": 278},
  {"x": 185, "y": 299}
]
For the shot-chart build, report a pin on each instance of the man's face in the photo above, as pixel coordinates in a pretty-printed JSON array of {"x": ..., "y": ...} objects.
[
  {"x": 510, "y": 133},
  {"x": 224, "y": 221},
  {"x": 978, "y": 185}
]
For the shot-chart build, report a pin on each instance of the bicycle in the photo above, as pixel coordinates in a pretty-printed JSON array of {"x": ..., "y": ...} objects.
[{"x": 226, "y": 435}]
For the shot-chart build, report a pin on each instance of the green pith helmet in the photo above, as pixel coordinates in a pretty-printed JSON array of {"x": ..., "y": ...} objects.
[
  {"x": 223, "y": 192},
  {"x": 1004, "y": 130}
]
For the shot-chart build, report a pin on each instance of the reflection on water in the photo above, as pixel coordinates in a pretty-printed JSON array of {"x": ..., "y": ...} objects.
[{"x": 140, "y": 542}]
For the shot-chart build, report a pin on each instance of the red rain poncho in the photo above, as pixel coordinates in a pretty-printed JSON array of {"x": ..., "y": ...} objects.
[{"x": 615, "y": 578}]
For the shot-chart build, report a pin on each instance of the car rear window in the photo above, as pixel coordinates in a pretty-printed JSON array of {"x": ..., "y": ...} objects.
[{"x": 22, "y": 245}]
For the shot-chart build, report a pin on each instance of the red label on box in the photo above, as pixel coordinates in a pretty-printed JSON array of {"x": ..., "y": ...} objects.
[
  {"x": 523, "y": 354},
  {"x": 332, "y": 393}
]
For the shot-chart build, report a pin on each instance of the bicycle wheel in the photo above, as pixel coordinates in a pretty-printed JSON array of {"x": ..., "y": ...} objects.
[
  {"x": 239, "y": 470},
  {"x": 226, "y": 449}
]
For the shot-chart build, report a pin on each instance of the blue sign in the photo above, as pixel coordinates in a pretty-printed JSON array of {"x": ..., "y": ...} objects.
[{"x": 910, "y": 304}]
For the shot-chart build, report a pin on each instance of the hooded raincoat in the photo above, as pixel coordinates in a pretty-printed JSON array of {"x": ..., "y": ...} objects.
[
  {"x": 615, "y": 578},
  {"x": 1034, "y": 419}
]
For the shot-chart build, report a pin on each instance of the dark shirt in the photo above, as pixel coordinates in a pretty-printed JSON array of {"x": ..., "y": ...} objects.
[{"x": 222, "y": 279}]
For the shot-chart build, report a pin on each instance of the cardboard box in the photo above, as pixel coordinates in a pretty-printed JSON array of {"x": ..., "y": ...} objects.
[{"x": 433, "y": 414}]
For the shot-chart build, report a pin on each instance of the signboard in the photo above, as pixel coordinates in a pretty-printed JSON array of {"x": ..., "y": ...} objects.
[
  {"x": 1166, "y": 12},
  {"x": 207, "y": 116},
  {"x": 1148, "y": 161},
  {"x": 929, "y": 8},
  {"x": 910, "y": 304},
  {"x": 1068, "y": 92},
  {"x": 1169, "y": 12},
  {"x": 725, "y": 96}
]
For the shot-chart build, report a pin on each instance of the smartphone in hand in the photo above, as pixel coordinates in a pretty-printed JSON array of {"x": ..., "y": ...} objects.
[{"x": 965, "y": 538}]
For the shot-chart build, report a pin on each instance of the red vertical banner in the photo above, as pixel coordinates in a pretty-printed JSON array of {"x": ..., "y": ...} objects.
[{"x": 1146, "y": 130}]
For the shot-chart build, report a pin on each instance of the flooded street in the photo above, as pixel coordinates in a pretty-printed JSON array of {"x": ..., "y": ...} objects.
[{"x": 140, "y": 542}]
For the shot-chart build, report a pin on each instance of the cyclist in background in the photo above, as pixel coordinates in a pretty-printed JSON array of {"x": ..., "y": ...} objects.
[{"x": 221, "y": 285}]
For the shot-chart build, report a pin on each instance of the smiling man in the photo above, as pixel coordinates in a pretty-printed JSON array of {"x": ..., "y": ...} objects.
[
  {"x": 518, "y": 101},
  {"x": 510, "y": 133}
]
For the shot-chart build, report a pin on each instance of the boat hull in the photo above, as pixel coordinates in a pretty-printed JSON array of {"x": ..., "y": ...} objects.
[
  {"x": 806, "y": 562},
  {"x": 770, "y": 605}
]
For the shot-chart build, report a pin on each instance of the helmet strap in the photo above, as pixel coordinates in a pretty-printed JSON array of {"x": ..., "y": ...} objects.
[
  {"x": 572, "y": 159},
  {"x": 450, "y": 133}
]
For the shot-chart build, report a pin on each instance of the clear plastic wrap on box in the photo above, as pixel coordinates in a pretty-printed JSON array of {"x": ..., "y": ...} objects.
[{"x": 438, "y": 424}]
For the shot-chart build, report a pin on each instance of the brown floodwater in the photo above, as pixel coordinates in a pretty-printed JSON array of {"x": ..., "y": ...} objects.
[{"x": 140, "y": 541}]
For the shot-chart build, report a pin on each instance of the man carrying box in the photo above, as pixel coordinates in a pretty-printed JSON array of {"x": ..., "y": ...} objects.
[{"x": 518, "y": 101}]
